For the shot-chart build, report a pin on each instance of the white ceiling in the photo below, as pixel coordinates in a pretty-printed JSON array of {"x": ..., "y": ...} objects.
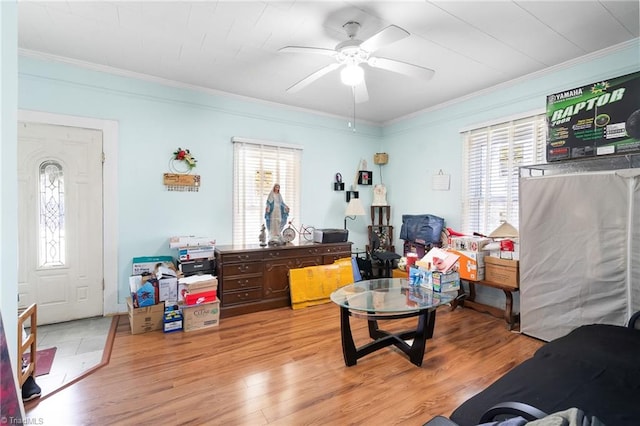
[{"x": 232, "y": 46}]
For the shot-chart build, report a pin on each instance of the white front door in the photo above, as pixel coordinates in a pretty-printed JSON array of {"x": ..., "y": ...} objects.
[{"x": 60, "y": 221}]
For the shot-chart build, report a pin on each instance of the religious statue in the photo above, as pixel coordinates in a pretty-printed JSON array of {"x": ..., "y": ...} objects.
[{"x": 276, "y": 213}]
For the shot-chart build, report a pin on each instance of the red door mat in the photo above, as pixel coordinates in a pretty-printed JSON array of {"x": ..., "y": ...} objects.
[{"x": 44, "y": 360}]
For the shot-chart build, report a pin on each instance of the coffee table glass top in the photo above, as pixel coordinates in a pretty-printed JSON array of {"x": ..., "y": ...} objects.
[{"x": 388, "y": 295}]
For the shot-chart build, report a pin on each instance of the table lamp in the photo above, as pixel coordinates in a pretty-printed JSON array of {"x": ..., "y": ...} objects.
[
  {"x": 354, "y": 208},
  {"x": 505, "y": 230}
]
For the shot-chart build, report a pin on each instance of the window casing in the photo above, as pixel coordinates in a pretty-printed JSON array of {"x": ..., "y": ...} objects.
[
  {"x": 492, "y": 157},
  {"x": 258, "y": 165}
]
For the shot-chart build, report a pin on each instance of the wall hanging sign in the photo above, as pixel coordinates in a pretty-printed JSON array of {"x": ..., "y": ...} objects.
[
  {"x": 601, "y": 118},
  {"x": 181, "y": 164},
  {"x": 441, "y": 182}
]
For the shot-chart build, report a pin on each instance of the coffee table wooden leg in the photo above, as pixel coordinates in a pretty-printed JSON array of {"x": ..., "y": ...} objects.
[{"x": 349, "y": 351}]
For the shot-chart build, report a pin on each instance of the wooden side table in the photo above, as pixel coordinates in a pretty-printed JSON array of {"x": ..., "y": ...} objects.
[{"x": 468, "y": 300}]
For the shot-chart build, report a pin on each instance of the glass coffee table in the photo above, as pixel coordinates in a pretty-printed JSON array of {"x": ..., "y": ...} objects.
[{"x": 387, "y": 299}]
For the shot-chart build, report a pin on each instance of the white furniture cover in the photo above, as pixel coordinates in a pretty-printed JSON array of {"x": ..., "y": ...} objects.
[{"x": 579, "y": 250}]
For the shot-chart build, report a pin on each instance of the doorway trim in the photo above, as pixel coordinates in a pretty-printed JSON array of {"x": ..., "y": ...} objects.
[{"x": 109, "y": 130}]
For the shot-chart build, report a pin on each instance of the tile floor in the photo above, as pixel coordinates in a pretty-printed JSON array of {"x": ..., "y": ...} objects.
[{"x": 80, "y": 345}]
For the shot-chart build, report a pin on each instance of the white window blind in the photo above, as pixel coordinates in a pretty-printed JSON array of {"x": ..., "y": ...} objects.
[
  {"x": 258, "y": 165},
  {"x": 492, "y": 157}
]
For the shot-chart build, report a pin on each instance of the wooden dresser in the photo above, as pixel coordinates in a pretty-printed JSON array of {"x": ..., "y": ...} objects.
[{"x": 253, "y": 278}]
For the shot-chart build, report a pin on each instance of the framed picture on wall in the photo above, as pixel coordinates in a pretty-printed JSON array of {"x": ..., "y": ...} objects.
[{"x": 365, "y": 177}]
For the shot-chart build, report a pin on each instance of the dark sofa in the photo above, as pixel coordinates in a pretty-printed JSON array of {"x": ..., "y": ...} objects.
[{"x": 595, "y": 368}]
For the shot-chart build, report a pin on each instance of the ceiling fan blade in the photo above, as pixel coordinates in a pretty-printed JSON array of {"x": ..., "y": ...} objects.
[
  {"x": 411, "y": 70},
  {"x": 312, "y": 77},
  {"x": 360, "y": 92},
  {"x": 388, "y": 35},
  {"x": 303, "y": 49}
]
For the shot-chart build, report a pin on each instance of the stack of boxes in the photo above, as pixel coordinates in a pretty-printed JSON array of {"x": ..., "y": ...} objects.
[
  {"x": 483, "y": 259},
  {"x": 436, "y": 271},
  {"x": 200, "y": 305},
  {"x": 469, "y": 258},
  {"x": 153, "y": 285},
  {"x": 471, "y": 261},
  {"x": 195, "y": 254},
  {"x": 170, "y": 298},
  {"x": 197, "y": 289}
]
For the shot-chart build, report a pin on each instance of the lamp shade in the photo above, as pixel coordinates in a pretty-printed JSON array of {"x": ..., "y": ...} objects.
[
  {"x": 505, "y": 230},
  {"x": 354, "y": 208}
]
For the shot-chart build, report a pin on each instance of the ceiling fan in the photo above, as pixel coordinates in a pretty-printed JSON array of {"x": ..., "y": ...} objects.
[{"x": 352, "y": 53}]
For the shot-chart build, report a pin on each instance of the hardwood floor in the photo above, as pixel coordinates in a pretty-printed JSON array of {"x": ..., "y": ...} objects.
[{"x": 285, "y": 367}]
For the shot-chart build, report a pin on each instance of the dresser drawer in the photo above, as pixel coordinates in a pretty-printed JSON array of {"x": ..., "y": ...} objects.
[
  {"x": 337, "y": 249},
  {"x": 241, "y": 257},
  {"x": 229, "y": 270},
  {"x": 242, "y": 296},
  {"x": 285, "y": 254},
  {"x": 241, "y": 283},
  {"x": 330, "y": 258}
]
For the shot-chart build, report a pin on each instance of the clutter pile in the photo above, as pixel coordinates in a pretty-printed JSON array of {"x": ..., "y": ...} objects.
[{"x": 172, "y": 295}]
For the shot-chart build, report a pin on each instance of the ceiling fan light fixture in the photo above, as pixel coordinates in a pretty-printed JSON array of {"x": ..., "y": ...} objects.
[{"x": 352, "y": 75}]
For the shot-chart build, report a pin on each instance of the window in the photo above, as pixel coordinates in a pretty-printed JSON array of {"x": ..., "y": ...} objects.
[
  {"x": 51, "y": 231},
  {"x": 492, "y": 157},
  {"x": 258, "y": 165}
]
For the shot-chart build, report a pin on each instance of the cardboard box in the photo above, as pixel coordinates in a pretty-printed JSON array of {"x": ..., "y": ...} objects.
[
  {"x": 438, "y": 259},
  {"x": 200, "y": 298},
  {"x": 502, "y": 271},
  {"x": 168, "y": 289},
  {"x": 200, "y": 252},
  {"x": 148, "y": 264},
  {"x": 468, "y": 243},
  {"x": 195, "y": 284},
  {"x": 190, "y": 241},
  {"x": 470, "y": 264},
  {"x": 200, "y": 317},
  {"x": 200, "y": 283},
  {"x": 142, "y": 320},
  {"x": 420, "y": 277},
  {"x": 172, "y": 321},
  {"x": 146, "y": 295},
  {"x": 443, "y": 282}
]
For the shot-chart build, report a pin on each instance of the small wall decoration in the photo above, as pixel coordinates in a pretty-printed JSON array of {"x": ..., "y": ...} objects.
[
  {"x": 365, "y": 177},
  {"x": 181, "y": 164},
  {"x": 338, "y": 185},
  {"x": 182, "y": 161},
  {"x": 380, "y": 158},
  {"x": 440, "y": 181}
]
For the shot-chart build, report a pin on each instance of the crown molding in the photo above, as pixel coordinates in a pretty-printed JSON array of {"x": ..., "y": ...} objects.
[
  {"x": 180, "y": 85},
  {"x": 507, "y": 84}
]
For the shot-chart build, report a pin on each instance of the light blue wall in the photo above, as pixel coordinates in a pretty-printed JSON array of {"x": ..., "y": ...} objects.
[
  {"x": 419, "y": 147},
  {"x": 155, "y": 119},
  {"x": 9, "y": 176}
]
